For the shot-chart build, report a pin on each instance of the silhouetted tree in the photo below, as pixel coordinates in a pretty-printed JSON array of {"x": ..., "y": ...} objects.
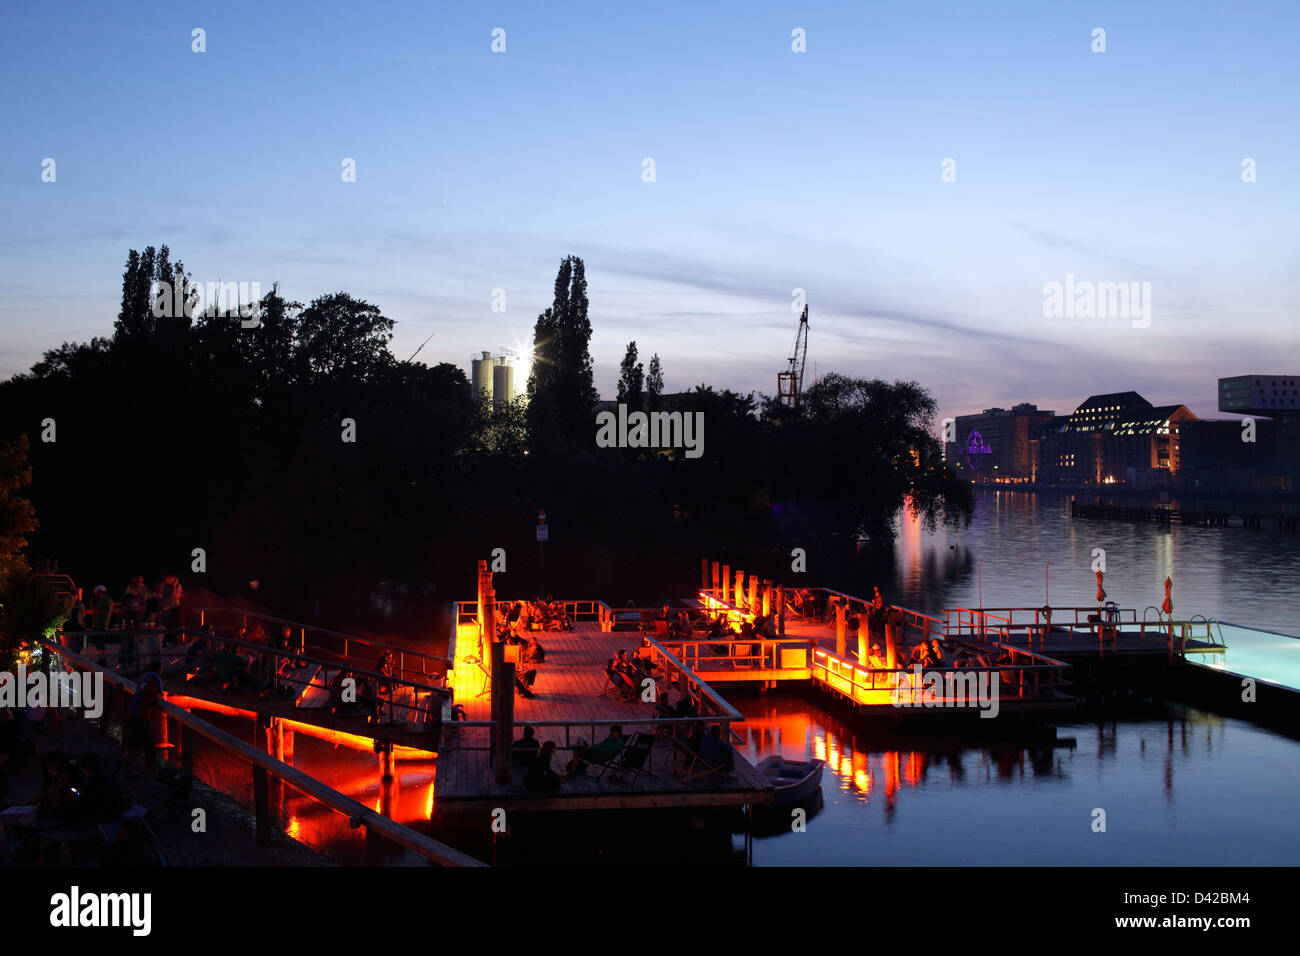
[
  {"x": 561, "y": 393},
  {"x": 338, "y": 335},
  {"x": 631, "y": 380},
  {"x": 654, "y": 385}
]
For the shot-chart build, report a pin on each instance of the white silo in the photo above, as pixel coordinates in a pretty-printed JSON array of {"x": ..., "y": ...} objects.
[
  {"x": 503, "y": 382},
  {"x": 481, "y": 375}
]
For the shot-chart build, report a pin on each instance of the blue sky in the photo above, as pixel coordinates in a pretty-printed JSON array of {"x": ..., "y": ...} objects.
[{"x": 775, "y": 170}]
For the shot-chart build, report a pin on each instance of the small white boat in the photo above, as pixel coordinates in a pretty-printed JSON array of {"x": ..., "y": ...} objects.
[{"x": 794, "y": 780}]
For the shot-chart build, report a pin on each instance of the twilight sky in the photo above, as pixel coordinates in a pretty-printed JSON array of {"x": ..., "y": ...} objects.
[{"x": 774, "y": 170}]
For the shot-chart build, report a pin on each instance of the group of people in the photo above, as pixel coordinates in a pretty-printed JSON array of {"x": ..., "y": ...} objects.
[
  {"x": 142, "y": 607},
  {"x": 704, "y": 745},
  {"x": 535, "y": 615},
  {"x": 77, "y": 793},
  {"x": 629, "y": 673},
  {"x": 541, "y": 775}
]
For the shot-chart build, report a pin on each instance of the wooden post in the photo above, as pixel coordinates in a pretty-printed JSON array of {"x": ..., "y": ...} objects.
[
  {"x": 841, "y": 629},
  {"x": 780, "y": 611},
  {"x": 187, "y": 751},
  {"x": 864, "y": 639},
  {"x": 275, "y": 745},
  {"x": 503, "y": 712},
  {"x": 726, "y": 583},
  {"x": 487, "y": 639},
  {"x": 753, "y": 594},
  {"x": 717, "y": 584},
  {"x": 484, "y": 583},
  {"x": 740, "y": 590},
  {"x": 262, "y": 805},
  {"x": 767, "y": 597}
]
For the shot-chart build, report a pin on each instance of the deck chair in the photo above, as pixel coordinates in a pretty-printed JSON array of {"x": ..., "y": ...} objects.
[
  {"x": 617, "y": 683},
  {"x": 647, "y": 625},
  {"x": 692, "y": 766},
  {"x": 636, "y": 757},
  {"x": 600, "y": 766}
]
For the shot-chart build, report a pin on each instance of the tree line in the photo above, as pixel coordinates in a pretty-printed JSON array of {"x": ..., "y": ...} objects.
[{"x": 186, "y": 431}]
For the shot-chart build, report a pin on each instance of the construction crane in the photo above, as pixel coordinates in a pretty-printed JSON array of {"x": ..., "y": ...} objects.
[{"x": 789, "y": 384}]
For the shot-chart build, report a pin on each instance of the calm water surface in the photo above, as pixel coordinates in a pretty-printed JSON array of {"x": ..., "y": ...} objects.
[{"x": 1178, "y": 786}]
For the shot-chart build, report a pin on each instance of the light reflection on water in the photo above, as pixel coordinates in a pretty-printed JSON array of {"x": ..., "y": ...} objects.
[
  {"x": 1181, "y": 787},
  {"x": 1248, "y": 577}
]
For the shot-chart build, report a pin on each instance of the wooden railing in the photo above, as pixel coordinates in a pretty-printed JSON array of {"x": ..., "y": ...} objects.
[{"x": 265, "y": 766}]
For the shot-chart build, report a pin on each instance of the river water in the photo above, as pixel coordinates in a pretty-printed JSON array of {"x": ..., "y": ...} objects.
[{"x": 1173, "y": 784}]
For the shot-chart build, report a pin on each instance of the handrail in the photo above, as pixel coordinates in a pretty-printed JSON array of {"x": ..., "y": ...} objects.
[
  {"x": 262, "y": 650},
  {"x": 849, "y": 670},
  {"x": 369, "y": 641},
  {"x": 718, "y": 702},
  {"x": 357, "y": 813}
]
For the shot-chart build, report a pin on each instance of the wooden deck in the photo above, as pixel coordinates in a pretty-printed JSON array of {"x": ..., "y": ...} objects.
[
  {"x": 405, "y": 727},
  {"x": 568, "y": 706}
]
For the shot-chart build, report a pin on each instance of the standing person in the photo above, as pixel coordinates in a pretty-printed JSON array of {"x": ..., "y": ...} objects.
[
  {"x": 132, "y": 605},
  {"x": 384, "y": 688},
  {"x": 141, "y": 714},
  {"x": 171, "y": 605},
  {"x": 103, "y": 616},
  {"x": 76, "y": 621}
]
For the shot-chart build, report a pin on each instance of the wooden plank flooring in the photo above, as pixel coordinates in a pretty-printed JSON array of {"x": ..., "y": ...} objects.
[{"x": 569, "y": 689}]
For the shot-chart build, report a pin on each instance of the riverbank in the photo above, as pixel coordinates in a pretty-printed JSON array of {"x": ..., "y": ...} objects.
[{"x": 224, "y": 834}]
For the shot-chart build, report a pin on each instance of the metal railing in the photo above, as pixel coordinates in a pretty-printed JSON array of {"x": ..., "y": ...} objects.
[
  {"x": 1024, "y": 675},
  {"x": 1100, "y": 625},
  {"x": 739, "y": 654},
  {"x": 406, "y": 662},
  {"x": 263, "y": 766},
  {"x": 268, "y": 668}
]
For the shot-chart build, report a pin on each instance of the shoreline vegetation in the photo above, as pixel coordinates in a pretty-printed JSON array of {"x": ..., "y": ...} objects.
[{"x": 300, "y": 454}]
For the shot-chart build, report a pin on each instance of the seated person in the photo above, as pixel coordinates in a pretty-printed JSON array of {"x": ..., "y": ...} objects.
[
  {"x": 603, "y": 752},
  {"x": 100, "y": 799},
  {"x": 715, "y": 751},
  {"x": 533, "y": 655},
  {"x": 527, "y": 616},
  {"x": 526, "y": 747},
  {"x": 540, "y": 776},
  {"x": 61, "y": 784},
  {"x": 920, "y": 655},
  {"x": 936, "y": 654},
  {"x": 231, "y": 668},
  {"x": 338, "y": 687},
  {"x": 617, "y": 677},
  {"x": 686, "y": 707}
]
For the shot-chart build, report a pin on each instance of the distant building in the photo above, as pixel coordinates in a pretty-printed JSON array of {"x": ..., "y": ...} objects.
[
  {"x": 1119, "y": 437},
  {"x": 494, "y": 377},
  {"x": 1262, "y": 455},
  {"x": 1259, "y": 394},
  {"x": 994, "y": 445}
]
